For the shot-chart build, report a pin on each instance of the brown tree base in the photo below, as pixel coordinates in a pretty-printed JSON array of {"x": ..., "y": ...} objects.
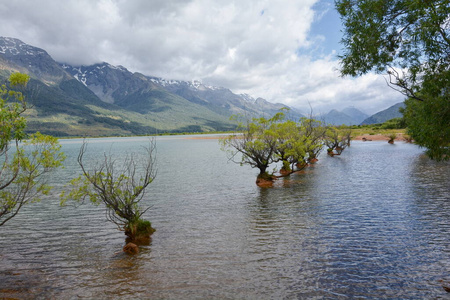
[
  {"x": 264, "y": 183},
  {"x": 333, "y": 154},
  {"x": 285, "y": 172},
  {"x": 139, "y": 235},
  {"x": 131, "y": 248},
  {"x": 301, "y": 166},
  {"x": 140, "y": 241}
]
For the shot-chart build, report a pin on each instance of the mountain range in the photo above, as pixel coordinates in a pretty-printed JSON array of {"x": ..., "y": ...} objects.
[
  {"x": 107, "y": 100},
  {"x": 353, "y": 116},
  {"x": 385, "y": 115},
  {"x": 348, "y": 116},
  {"x": 103, "y": 99}
]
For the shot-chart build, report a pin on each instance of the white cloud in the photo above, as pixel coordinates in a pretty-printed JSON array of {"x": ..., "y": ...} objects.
[{"x": 262, "y": 48}]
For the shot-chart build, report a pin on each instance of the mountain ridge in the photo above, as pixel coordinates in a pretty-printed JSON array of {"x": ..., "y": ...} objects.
[
  {"x": 385, "y": 115},
  {"x": 103, "y": 99},
  {"x": 348, "y": 116}
]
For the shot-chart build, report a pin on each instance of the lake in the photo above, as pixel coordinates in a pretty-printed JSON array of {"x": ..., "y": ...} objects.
[{"x": 371, "y": 223}]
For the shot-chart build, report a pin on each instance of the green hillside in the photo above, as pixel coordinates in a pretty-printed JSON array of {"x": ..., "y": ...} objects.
[{"x": 385, "y": 115}]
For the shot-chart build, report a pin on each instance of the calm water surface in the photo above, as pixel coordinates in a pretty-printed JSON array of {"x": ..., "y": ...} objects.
[{"x": 372, "y": 223}]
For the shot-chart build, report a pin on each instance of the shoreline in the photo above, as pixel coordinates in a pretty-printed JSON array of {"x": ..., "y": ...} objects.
[
  {"x": 377, "y": 137},
  {"x": 369, "y": 137},
  {"x": 212, "y": 136}
]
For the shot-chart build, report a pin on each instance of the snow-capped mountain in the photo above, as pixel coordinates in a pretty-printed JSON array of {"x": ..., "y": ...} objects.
[
  {"x": 13, "y": 47},
  {"x": 103, "y": 99},
  {"x": 32, "y": 60},
  {"x": 115, "y": 84}
]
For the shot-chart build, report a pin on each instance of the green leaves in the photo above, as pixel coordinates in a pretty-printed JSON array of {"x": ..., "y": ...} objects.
[
  {"x": 400, "y": 33},
  {"x": 25, "y": 167},
  {"x": 19, "y": 80},
  {"x": 119, "y": 187},
  {"x": 265, "y": 141},
  {"x": 409, "y": 40},
  {"x": 79, "y": 191},
  {"x": 429, "y": 125},
  {"x": 336, "y": 140},
  {"x": 12, "y": 105}
]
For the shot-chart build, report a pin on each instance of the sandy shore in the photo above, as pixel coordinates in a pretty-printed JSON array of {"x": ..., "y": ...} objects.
[{"x": 377, "y": 137}]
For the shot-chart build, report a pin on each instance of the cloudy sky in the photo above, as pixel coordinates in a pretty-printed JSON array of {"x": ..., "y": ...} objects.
[{"x": 284, "y": 50}]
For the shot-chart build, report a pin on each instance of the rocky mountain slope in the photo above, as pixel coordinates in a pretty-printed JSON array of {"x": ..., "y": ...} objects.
[
  {"x": 348, "y": 116},
  {"x": 385, "y": 115},
  {"x": 102, "y": 99}
]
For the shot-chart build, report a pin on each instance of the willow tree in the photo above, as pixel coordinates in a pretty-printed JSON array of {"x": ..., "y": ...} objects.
[
  {"x": 291, "y": 147},
  {"x": 313, "y": 132},
  {"x": 336, "y": 140},
  {"x": 26, "y": 161},
  {"x": 262, "y": 142},
  {"x": 119, "y": 186},
  {"x": 409, "y": 41},
  {"x": 256, "y": 144},
  {"x": 299, "y": 143}
]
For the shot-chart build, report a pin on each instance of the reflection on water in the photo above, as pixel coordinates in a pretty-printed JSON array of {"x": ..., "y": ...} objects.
[{"x": 371, "y": 223}]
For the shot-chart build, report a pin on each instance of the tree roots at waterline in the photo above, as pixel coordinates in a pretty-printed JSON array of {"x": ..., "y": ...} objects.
[
  {"x": 137, "y": 233},
  {"x": 265, "y": 180},
  {"x": 131, "y": 248}
]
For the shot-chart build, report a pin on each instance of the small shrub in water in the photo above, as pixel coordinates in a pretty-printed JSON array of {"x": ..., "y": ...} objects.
[{"x": 139, "y": 228}]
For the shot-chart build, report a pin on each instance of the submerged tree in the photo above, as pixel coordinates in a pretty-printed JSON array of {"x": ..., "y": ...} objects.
[
  {"x": 120, "y": 187},
  {"x": 256, "y": 143},
  {"x": 262, "y": 142},
  {"x": 392, "y": 137},
  {"x": 409, "y": 41},
  {"x": 299, "y": 144},
  {"x": 314, "y": 132},
  {"x": 290, "y": 149},
  {"x": 25, "y": 164},
  {"x": 337, "y": 140}
]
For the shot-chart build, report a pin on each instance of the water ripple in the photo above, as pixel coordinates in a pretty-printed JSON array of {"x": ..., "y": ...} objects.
[{"x": 370, "y": 224}]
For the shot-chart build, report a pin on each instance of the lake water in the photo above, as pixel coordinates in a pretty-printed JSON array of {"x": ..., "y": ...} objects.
[{"x": 371, "y": 223}]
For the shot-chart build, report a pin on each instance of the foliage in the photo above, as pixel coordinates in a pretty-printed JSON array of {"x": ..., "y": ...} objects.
[
  {"x": 410, "y": 41},
  {"x": 396, "y": 123},
  {"x": 139, "y": 229},
  {"x": 384, "y": 35},
  {"x": 262, "y": 142},
  {"x": 25, "y": 165},
  {"x": 298, "y": 143},
  {"x": 336, "y": 140},
  {"x": 12, "y": 106},
  {"x": 429, "y": 125},
  {"x": 291, "y": 147},
  {"x": 119, "y": 188},
  {"x": 392, "y": 137},
  {"x": 256, "y": 142},
  {"x": 314, "y": 132}
]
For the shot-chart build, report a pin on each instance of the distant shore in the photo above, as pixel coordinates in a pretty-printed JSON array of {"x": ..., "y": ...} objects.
[
  {"x": 369, "y": 137},
  {"x": 377, "y": 137}
]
